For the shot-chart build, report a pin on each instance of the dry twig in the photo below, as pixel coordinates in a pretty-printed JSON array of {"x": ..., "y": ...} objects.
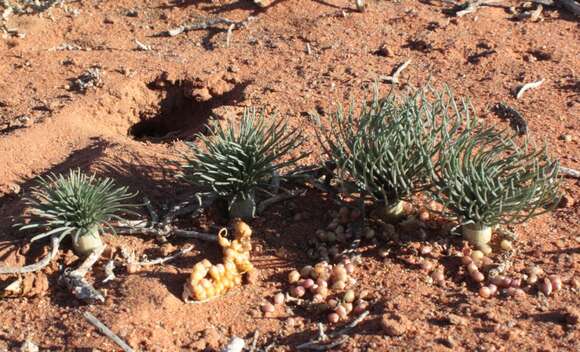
[
  {"x": 569, "y": 172},
  {"x": 213, "y": 22},
  {"x": 163, "y": 260},
  {"x": 522, "y": 89},
  {"x": 472, "y": 6},
  {"x": 55, "y": 242},
  {"x": 75, "y": 279},
  {"x": 394, "y": 78},
  {"x": 571, "y": 5},
  {"x": 107, "y": 332},
  {"x": 340, "y": 336}
]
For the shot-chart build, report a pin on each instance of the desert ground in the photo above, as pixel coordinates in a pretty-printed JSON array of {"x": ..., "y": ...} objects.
[{"x": 117, "y": 87}]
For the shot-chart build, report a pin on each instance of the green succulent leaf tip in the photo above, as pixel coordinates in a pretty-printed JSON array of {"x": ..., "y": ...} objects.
[
  {"x": 75, "y": 204},
  {"x": 234, "y": 162},
  {"x": 483, "y": 175},
  {"x": 380, "y": 147}
]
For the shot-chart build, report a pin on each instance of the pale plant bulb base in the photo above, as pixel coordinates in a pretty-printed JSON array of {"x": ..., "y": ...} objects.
[
  {"x": 243, "y": 208},
  {"x": 477, "y": 234},
  {"x": 88, "y": 242}
]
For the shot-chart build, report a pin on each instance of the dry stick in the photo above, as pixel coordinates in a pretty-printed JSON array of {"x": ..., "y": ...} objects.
[
  {"x": 254, "y": 341},
  {"x": 149, "y": 231},
  {"x": 474, "y": 5},
  {"x": 109, "y": 271},
  {"x": 571, "y": 5},
  {"x": 78, "y": 285},
  {"x": 229, "y": 35},
  {"x": 107, "y": 332},
  {"x": 278, "y": 198},
  {"x": 205, "y": 25},
  {"x": 163, "y": 260},
  {"x": 340, "y": 334},
  {"x": 395, "y": 77},
  {"x": 55, "y": 242},
  {"x": 569, "y": 172},
  {"x": 528, "y": 86}
]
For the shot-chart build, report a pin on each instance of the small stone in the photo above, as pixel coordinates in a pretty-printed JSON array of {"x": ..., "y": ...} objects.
[
  {"x": 393, "y": 327},
  {"x": 385, "y": 51},
  {"x": 566, "y": 138}
]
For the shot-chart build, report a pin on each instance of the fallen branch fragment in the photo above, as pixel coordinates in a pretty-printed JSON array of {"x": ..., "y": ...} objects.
[
  {"x": 472, "y": 6},
  {"x": 109, "y": 271},
  {"x": 254, "y": 341},
  {"x": 394, "y": 78},
  {"x": 571, "y": 5},
  {"x": 75, "y": 280},
  {"x": 516, "y": 119},
  {"x": 55, "y": 242},
  {"x": 205, "y": 25},
  {"x": 236, "y": 345},
  {"x": 569, "y": 172},
  {"x": 278, "y": 198},
  {"x": 341, "y": 336},
  {"x": 107, "y": 332},
  {"x": 528, "y": 86},
  {"x": 165, "y": 228},
  {"x": 172, "y": 256}
]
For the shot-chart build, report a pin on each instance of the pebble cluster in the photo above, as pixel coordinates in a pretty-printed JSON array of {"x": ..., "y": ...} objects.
[
  {"x": 476, "y": 261},
  {"x": 326, "y": 288},
  {"x": 329, "y": 243}
]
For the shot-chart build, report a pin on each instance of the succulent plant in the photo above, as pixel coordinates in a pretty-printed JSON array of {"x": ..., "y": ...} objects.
[
  {"x": 235, "y": 163},
  {"x": 484, "y": 177},
  {"x": 77, "y": 205},
  {"x": 379, "y": 149}
]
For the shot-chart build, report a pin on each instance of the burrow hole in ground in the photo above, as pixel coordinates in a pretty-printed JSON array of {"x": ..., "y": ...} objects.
[{"x": 179, "y": 115}]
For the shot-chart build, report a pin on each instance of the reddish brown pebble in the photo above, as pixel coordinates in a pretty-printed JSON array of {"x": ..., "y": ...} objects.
[
  {"x": 360, "y": 307},
  {"x": 556, "y": 282},
  {"x": 423, "y": 215},
  {"x": 486, "y": 261},
  {"x": 267, "y": 308},
  {"x": 349, "y": 268},
  {"x": 477, "y": 276},
  {"x": 516, "y": 283},
  {"x": 298, "y": 291},
  {"x": 308, "y": 283},
  {"x": 438, "y": 276},
  {"x": 465, "y": 260},
  {"x": 546, "y": 286},
  {"x": 333, "y": 318},
  {"x": 341, "y": 311},
  {"x": 322, "y": 283},
  {"x": 492, "y": 289},
  {"x": 485, "y": 292},
  {"x": 471, "y": 268},
  {"x": 427, "y": 266}
]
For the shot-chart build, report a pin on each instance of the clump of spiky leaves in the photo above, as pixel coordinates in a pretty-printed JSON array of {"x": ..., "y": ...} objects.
[
  {"x": 484, "y": 177},
  {"x": 75, "y": 204},
  {"x": 235, "y": 162},
  {"x": 379, "y": 148}
]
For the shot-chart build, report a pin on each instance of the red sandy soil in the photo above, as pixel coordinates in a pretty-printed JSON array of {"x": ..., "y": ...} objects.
[{"x": 45, "y": 127}]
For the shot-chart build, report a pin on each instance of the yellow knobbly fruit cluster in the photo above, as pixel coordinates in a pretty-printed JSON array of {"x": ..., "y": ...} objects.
[{"x": 222, "y": 277}]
